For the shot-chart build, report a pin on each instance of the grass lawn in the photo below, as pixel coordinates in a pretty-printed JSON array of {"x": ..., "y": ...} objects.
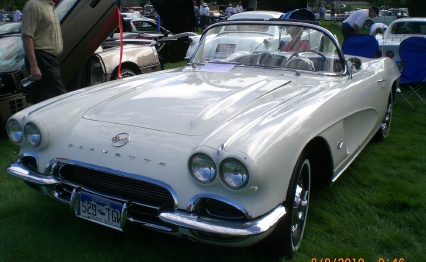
[{"x": 375, "y": 212}]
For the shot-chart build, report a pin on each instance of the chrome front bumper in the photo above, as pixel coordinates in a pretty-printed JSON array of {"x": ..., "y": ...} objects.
[{"x": 189, "y": 225}]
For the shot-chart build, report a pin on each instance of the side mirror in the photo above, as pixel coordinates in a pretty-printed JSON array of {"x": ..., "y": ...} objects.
[{"x": 356, "y": 62}]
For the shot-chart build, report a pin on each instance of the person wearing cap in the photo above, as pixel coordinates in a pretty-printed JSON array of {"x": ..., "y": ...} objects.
[
  {"x": 196, "y": 16},
  {"x": 202, "y": 18},
  {"x": 353, "y": 24},
  {"x": 204, "y": 14}
]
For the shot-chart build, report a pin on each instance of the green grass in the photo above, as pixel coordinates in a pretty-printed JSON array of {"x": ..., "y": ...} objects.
[{"x": 376, "y": 209}]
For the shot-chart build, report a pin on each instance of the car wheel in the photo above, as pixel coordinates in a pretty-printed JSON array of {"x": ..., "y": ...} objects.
[
  {"x": 286, "y": 238},
  {"x": 368, "y": 24},
  {"x": 384, "y": 129},
  {"x": 124, "y": 73}
]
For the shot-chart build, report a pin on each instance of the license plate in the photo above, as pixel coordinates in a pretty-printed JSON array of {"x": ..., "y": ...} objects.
[
  {"x": 225, "y": 48},
  {"x": 100, "y": 210}
]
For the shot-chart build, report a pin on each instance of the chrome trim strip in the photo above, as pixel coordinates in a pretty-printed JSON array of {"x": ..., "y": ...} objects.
[
  {"x": 69, "y": 95},
  {"x": 251, "y": 228}
]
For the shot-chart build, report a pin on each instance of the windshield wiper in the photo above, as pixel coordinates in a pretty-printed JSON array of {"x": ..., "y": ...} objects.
[{"x": 215, "y": 61}]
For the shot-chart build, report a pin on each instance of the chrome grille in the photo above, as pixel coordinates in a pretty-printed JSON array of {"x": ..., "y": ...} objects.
[{"x": 116, "y": 185}]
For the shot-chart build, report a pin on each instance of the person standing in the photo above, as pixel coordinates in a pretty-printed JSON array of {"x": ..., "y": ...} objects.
[
  {"x": 202, "y": 20},
  {"x": 42, "y": 40},
  {"x": 321, "y": 12},
  {"x": 353, "y": 24},
  {"x": 204, "y": 15},
  {"x": 235, "y": 9},
  {"x": 196, "y": 16},
  {"x": 17, "y": 15},
  {"x": 2, "y": 17},
  {"x": 228, "y": 10},
  {"x": 240, "y": 7},
  {"x": 333, "y": 14}
]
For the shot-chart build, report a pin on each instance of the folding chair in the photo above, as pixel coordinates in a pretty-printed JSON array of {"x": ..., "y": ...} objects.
[
  {"x": 361, "y": 45},
  {"x": 412, "y": 52}
]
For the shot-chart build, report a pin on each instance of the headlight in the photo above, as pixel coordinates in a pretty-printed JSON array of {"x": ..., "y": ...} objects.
[
  {"x": 234, "y": 174},
  {"x": 32, "y": 134},
  {"x": 14, "y": 131},
  {"x": 202, "y": 168}
]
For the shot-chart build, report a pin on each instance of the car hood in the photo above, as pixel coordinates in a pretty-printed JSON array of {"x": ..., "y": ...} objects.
[{"x": 196, "y": 103}]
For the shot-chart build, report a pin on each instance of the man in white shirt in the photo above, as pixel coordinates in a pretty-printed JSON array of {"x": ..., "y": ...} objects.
[
  {"x": 235, "y": 9},
  {"x": 240, "y": 7},
  {"x": 378, "y": 28},
  {"x": 228, "y": 10},
  {"x": 204, "y": 16},
  {"x": 353, "y": 24},
  {"x": 17, "y": 15}
]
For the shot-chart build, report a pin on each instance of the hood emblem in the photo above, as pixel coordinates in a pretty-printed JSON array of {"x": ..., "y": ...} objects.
[{"x": 120, "y": 140}]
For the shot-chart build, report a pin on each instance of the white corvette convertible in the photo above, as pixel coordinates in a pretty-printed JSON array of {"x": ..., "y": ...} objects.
[{"x": 224, "y": 150}]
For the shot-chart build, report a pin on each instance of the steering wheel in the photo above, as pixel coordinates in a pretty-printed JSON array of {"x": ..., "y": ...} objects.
[
  {"x": 301, "y": 63},
  {"x": 408, "y": 31},
  {"x": 296, "y": 54}
]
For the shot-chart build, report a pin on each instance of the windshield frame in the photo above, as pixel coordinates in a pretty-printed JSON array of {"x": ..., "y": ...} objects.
[{"x": 214, "y": 29}]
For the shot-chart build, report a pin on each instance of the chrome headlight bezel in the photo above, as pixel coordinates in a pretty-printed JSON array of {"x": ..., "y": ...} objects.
[
  {"x": 32, "y": 134},
  {"x": 15, "y": 131},
  {"x": 234, "y": 174},
  {"x": 202, "y": 168}
]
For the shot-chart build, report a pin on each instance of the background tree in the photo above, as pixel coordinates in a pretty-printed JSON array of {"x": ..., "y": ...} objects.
[{"x": 416, "y": 8}]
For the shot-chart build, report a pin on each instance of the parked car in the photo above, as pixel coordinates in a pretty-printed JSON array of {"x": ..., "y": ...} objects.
[
  {"x": 135, "y": 60},
  {"x": 223, "y": 151},
  {"x": 100, "y": 67},
  {"x": 397, "y": 31},
  {"x": 12, "y": 68},
  {"x": 80, "y": 65},
  {"x": 342, "y": 16},
  {"x": 386, "y": 17},
  {"x": 171, "y": 47},
  {"x": 79, "y": 41},
  {"x": 10, "y": 27}
]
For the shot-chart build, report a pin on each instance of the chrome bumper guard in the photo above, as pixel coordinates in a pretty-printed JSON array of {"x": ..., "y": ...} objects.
[{"x": 21, "y": 170}]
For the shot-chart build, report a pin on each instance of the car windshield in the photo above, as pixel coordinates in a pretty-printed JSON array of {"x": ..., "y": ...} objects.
[
  {"x": 144, "y": 26},
  {"x": 271, "y": 45},
  {"x": 409, "y": 27},
  {"x": 11, "y": 53}
]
